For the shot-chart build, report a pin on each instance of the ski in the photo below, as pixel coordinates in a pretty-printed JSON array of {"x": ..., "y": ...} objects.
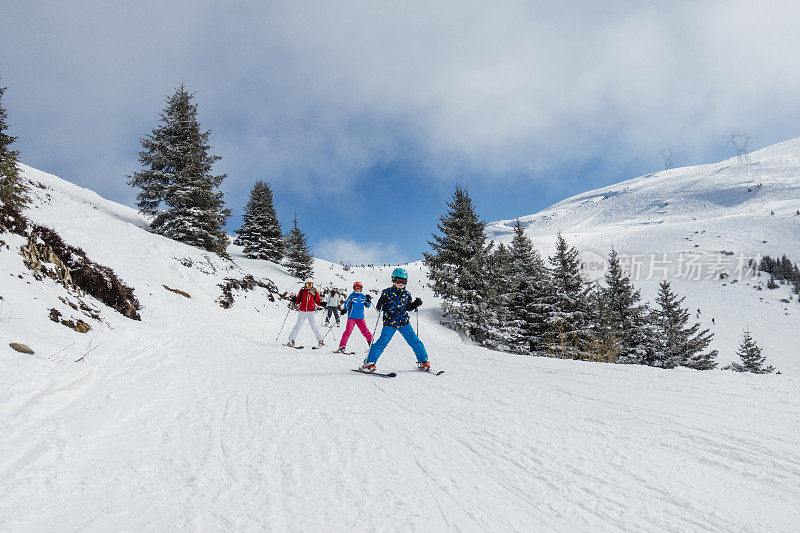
[
  {"x": 389, "y": 375},
  {"x": 432, "y": 372},
  {"x": 345, "y": 353},
  {"x": 295, "y": 347},
  {"x": 317, "y": 347}
]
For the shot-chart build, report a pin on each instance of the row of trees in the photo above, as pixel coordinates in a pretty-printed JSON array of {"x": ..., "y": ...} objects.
[
  {"x": 509, "y": 298},
  {"x": 179, "y": 190},
  {"x": 782, "y": 270}
]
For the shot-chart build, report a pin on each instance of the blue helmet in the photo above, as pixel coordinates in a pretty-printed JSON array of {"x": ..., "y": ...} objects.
[{"x": 399, "y": 273}]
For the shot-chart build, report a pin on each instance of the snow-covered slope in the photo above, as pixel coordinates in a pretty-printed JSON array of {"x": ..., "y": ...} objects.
[
  {"x": 196, "y": 418},
  {"x": 680, "y": 221}
]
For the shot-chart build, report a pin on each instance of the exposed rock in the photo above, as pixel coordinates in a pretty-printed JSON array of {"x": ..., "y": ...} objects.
[
  {"x": 178, "y": 291},
  {"x": 22, "y": 348},
  {"x": 41, "y": 258},
  {"x": 80, "y": 326}
]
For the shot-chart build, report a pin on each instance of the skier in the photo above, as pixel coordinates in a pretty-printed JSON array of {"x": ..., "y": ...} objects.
[
  {"x": 395, "y": 302},
  {"x": 332, "y": 307},
  {"x": 306, "y": 302},
  {"x": 354, "y": 307}
]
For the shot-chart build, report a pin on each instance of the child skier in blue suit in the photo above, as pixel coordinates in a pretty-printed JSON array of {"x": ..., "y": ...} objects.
[{"x": 395, "y": 302}]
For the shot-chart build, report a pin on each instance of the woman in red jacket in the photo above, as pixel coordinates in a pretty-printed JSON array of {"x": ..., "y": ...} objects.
[{"x": 306, "y": 302}]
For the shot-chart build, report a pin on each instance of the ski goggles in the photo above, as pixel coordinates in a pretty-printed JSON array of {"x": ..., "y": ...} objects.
[{"x": 401, "y": 281}]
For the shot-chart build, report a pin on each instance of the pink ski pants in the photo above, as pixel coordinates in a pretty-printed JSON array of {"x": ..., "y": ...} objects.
[{"x": 362, "y": 325}]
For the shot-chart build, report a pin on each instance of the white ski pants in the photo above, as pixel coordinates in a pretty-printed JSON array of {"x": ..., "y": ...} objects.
[{"x": 302, "y": 316}]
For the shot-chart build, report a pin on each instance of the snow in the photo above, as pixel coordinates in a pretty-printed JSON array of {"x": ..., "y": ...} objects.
[{"x": 196, "y": 418}]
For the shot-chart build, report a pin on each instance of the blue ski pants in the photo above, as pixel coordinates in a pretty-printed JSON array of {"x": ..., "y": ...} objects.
[{"x": 386, "y": 335}]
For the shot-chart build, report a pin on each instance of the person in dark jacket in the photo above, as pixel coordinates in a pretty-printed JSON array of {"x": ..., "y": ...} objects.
[
  {"x": 306, "y": 303},
  {"x": 396, "y": 302}
]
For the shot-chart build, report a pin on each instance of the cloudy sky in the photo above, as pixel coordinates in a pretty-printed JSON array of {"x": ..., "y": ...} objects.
[{"x": 364, "y": 115}]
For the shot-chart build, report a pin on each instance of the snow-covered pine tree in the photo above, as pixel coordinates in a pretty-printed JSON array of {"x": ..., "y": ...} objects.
[
  {"x": 531, "y": 302},
  {"x": 569, "y": 324},
  {"x": 298, "y": 257},
  {"x": 456, "y": 266},
  {"x": 678, "y": 344},
  {"x": 625, "y": 316},
  {"x": 499, "y": 292},
  {"x": 261, "y": 234},
  {"x": 752, "y": 359},
  {"x": 178, "y": 175},
  {"x": 604, "y": 338},
  {"x": 13, "y": 191}
]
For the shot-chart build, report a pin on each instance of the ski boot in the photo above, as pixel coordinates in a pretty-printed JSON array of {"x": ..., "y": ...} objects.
[
  {"x": 424, "y": 366},
  {"x": 340, "y": 349},
  {"x": 320, "y": 345},
  {"x": 367, "y": 367},
  {"x": 290, "y": 344}
]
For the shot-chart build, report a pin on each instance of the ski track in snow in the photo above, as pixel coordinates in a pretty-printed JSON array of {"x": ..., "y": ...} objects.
[{"x": 197, "y": 419}]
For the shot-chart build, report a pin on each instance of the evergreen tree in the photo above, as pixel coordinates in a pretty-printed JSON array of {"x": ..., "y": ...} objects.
[
  {"x": 178, "y": 176},
  {"x": 622, "y": 314},
  {"x": 752, "y": 359},
  {"x": 13, "y": 191},
  {"x": 261, "y": 234},
  {"x": 457, "y": 265},
  {"x": 298, "y": 257},
  {"x": 531, "y": 302},
  {"x": 499, "y": 292},
  {"x": 569, "y": 322},
  {"x": 676, "y": 343}
]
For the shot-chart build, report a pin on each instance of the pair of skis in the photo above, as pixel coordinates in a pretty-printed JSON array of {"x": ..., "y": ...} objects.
[
  {"x": 302, "y": 347},
  {"x": 392, "y": 374}
]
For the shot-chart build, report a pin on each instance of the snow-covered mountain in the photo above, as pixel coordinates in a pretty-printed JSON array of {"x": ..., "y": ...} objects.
[
  {"x": 195, "y": 418},
  {"x": 695, "y": 223}
]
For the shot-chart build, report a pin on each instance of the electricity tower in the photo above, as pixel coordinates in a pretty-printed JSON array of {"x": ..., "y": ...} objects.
[
  {"x": 667, "y": 156},
  {"x": 740, "y": 141}
]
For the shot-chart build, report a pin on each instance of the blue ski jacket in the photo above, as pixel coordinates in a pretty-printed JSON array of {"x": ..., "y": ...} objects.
[{"x": 355, "y": 304}]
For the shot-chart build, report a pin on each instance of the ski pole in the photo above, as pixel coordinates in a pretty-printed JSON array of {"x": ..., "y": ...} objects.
[
  {"x": 376, "y": 326},
  {"x": 326, "y": 333},
  {"x": 417, "y": 312},
  {"x": 284, "y": 323}
]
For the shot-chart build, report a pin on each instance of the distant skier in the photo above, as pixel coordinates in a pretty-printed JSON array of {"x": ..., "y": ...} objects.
[
  {"x": 395, "y": 302},
  {"x": 698, "y": 313},
  {"x": 306, "y": 302},
  {"x": 332, "y": 307},
  {"x": 354, "y": 307}
]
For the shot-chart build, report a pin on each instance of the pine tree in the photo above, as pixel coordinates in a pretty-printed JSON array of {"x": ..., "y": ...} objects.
[
  {"x": 178, "y": 176},
  {"x": 499, "y": 292},
  {"x": 531, "y": 303},
  {"x": 457, "y": 266},
  {"x": 298, "y": 257},
  {"x": 261, "y": 234},
  {"x": 13, "y": 191},
  {"x": 569, "y": 323},
  {"x": 676, "y": 343},
  {"x": 752, "y": 359},
  {"x": 623, "y": 316}
]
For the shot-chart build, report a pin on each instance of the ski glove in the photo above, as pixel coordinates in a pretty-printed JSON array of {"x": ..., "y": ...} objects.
[
  {"x": 413, "y": 305},
  {"x": 368, "y": 297}
]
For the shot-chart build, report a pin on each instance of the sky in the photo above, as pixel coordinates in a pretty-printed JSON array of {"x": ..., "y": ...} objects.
[{"x": 364, "y": 116}]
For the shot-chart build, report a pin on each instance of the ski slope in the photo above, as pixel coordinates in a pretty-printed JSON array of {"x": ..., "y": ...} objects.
[{"x": 197, "y": 419}]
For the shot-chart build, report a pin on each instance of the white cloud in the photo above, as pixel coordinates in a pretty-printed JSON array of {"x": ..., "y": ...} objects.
[
  {"x": 315, "y": 93},
  {"x": 356, "y": 253}
]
